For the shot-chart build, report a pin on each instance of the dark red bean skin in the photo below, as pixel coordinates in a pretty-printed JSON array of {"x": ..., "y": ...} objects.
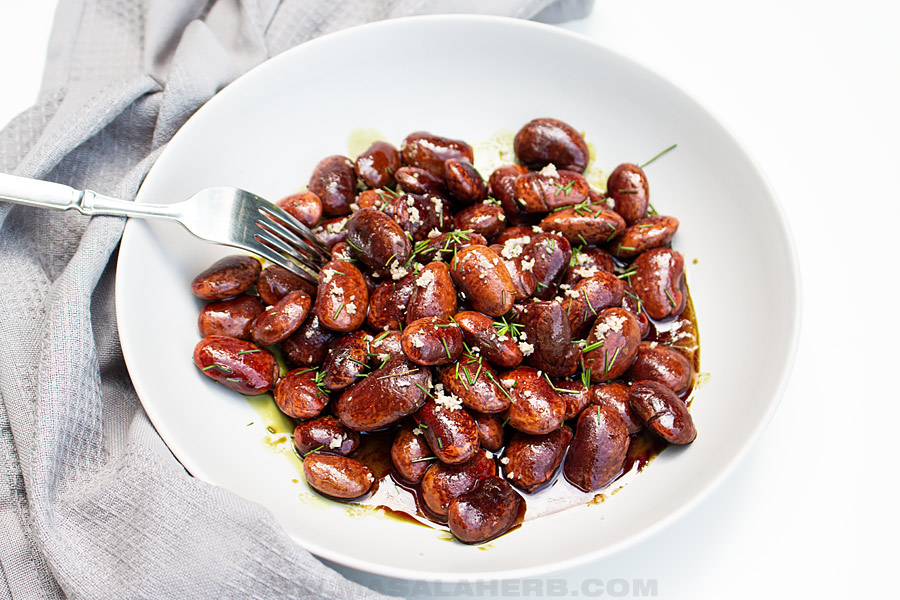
[
  {"x": 490, "y": 430},
  {"x": 575, "y": 395},
  {"x": 612, "y": 344},
  {"x": 627, "y": 186},
  {"x": 337, "y": 476},
  {"x": 346, "y": 361},
  {"x": 546, "y": 328},
  {"x": 297, "y": 395},
  {"x": 433, "y": 294},
  {"x": 485, "y": 219},
  {"x": 490, "y": 509},
  {"x": 659, "y": 282},
  {"x": 389, "y": 301},
  {"x": 274, "y": 283},
  {"x": 535, "y": 408},
  {"x": 642, "y": 235},
  {"x": 386, "y": 396},
  {"x": 414, "y": 180},
  {"x": 539, "y": 193},
  {"x": 551, "y": 253},
  {"x": 410, "y": 453},
  {"x": 666, "y": 365},
  {"x": 588, "y": 297},
  {"x": 325, "y": 433},
  {"x": 376, "y": 239},
  {"x": 615, "y": 395},
  {"x": 308, "y": 346},
  {"x": 334, "y": 181},
  {"x": 662, "y": 412},
  {"x": 232, "y": 317},
  {"x": 428, "y": 151},
  {"x": 238, "y": 365},
  {"x": 451, "y": 434},
  {"x": 473, "y": 382},
  {"x": 502, "y": 185},
  {"x": 277, "y": 323},
  {"x": 598, "y": 450},
  {"x": 226, "y": 277},
  {"x": 480, "y": 274},
  {"x": 432, "y": 341},
  {"x": 377, "y": 165},
  {"x": 534, "y": 459},
  {"x": 306, "y": 207},
  {"x": 479, "y": 331},
  {"x": 343, "y": 297},
  {"x": 442, "y": 482},
  {"x": 464, "y": 182},
  {"x": 544, "y": 141}
]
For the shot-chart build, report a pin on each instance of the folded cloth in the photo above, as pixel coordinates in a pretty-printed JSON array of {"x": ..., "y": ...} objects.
[{"x": 92, "y": 503}]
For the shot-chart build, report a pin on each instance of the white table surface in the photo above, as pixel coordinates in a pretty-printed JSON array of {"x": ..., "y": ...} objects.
[{"x": 811, "y": 88}]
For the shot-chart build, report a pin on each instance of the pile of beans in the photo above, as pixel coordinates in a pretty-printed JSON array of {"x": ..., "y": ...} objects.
[{"x": 495, "y": 327}]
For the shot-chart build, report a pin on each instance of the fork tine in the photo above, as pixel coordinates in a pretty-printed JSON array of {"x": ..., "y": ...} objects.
[
  {"x": 293, "y": 245},
  {"x": 274, "y": 255},
  {"x": 294, "y": 231},
  {"x": 279, "y": 245}
]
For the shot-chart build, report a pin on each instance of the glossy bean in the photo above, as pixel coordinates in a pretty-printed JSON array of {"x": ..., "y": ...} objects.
[
  {"x": 232, "y": 317},
  {"x": 598, "y": 449},
  {"x": 227, "y": 277},
  {"x": 333, "y": 180},
  {"x": 490, "y": 509},
  {"x": 337, "y": 476},
  {"x": 238, "y": 365},
  {"x": 299, "y": 395},
  {"x": 662, "y": 412},
  {"x": 386, "y": 396},
  {"x": 541, "y": 142}
]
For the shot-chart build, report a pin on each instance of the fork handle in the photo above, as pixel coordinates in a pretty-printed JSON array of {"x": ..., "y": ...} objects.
[{"x": 45, "y": 194}]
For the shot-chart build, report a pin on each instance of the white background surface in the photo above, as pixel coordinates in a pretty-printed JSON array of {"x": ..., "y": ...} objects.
[{"x": 811, "y": 88}]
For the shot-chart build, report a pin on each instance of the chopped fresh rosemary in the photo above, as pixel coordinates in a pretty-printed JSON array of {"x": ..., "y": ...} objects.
[{"x": 672, "y": 147}]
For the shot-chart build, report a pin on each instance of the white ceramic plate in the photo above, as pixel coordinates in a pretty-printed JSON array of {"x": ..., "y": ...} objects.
[{"x": 464, "y": 77}]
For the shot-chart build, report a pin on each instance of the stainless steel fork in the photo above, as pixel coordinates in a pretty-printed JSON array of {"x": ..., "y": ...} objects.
[{"x": 222, "y": 215}]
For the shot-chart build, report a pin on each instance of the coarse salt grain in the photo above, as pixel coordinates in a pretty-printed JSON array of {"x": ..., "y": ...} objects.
[
  {"x": 426, "y": 278},
  {"x": 550, "y": 171}
]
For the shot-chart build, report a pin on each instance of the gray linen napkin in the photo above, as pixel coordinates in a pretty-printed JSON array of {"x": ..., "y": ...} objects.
[{"x": 92, "y": 503}]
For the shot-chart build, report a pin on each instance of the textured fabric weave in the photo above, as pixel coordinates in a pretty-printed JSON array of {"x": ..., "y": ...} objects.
[{"x": 92, "y": 503}]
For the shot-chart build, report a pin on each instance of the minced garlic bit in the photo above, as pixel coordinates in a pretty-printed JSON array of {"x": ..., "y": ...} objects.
[
  {"x": 443, "y": 399},
  {"x": 414, "y": 216},
  {"x": 513, "y": 247},
  {"x": 417, "y": 341},
  {"x": 354, "y": 206},
  {"x": 434, "y": 233},
  {"x": 653, "y": 344},
  {"x": 337, "y": 226},
  {"x": 418, "y": 431},
  {"x": 586, "y": 272},
  {"x": 426, "y": 278},
  {"x": 537, "y": 229},
  {"x": 488, "y": 454},
  {"x": 510, "y": 475},
  {"x": 550, "y": 171},
  {"x": 528, "y": 264},
  {"x": 336, "y": 442},
  {"x": 504, "y": 460},
  {"x": 350, "y": 308},
  {"x": 397, "y": 272},
  {"x": 613, "y": 324},
  {"x": 508, "y": 383},
  {"x": 526, "y": 348}
]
